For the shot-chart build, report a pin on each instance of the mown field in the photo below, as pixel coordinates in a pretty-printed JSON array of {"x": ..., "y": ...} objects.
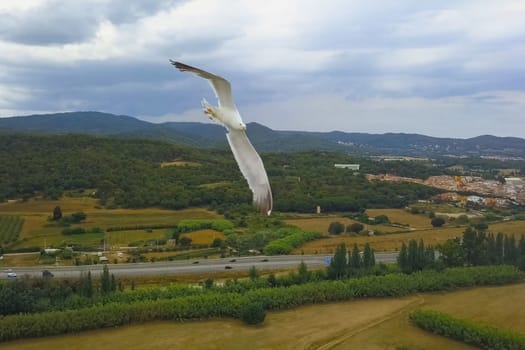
[
  {"x": 365, "y": 324},
  {"x": 380, "y": 243},
  {"x": 321, "y": 224},
  {"x": 401, "y": 216}
]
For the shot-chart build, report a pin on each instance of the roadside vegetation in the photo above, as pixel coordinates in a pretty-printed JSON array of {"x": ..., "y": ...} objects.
[
  {"x": 225, "y": 303},
  {"x": 484, "y": 336}
]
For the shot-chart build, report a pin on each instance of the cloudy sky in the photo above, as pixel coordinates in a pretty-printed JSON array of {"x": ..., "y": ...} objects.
[{"x": 441, "y": 68}]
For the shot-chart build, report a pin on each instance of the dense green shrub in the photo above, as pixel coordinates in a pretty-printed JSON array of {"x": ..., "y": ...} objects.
[
  {"x": 73, "y": 231},
  {"x": 253, "y": 313},
  {"x": 194, "y": 225},
  {"x": 484, "y": 336},
  {"x": 336, "y": 228},
  {"x": 286, "y": 244}
]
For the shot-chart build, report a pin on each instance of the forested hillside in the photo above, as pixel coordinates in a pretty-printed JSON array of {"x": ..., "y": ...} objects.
[
  {"x": 130, "y": 173},
  {"x": 208, "y": 135}
]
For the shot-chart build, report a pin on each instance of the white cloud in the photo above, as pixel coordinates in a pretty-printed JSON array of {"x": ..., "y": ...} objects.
[{"x": 403, "y": 66}]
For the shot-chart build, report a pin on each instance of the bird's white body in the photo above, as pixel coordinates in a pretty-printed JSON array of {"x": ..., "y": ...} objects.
[{"x": 226, "y": 113}]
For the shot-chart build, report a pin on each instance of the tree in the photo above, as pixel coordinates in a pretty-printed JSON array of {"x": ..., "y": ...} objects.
[
  {"x": 272, "y": 281},
  {"x": 413, "y": 256},
  {"x": 510, "y": 250},
  {"x": 420, "y": 258},
  {"x": 437, "y": 221},
  {"x": 303, "y": 275},
  {"x": 336, "y": 228},
  {"x": 338, "y": 265},
  {"x": 253, "y": 313},
  {"x": 355, "y": 227},
  {"x": 402, "y": 258},
  {"x": 368, "y": 256},
  {"x": 481, "y": 226},
  {"x": 381, "y": 219},
  {"x": 113, "y": 283},
  {"x": 355, "y": 258},
  {"x": 57, "y": 213},
  {"x": 253, "y": 273},
  {"x": 105, "y": 281},
  {"x": 78, "y": 217},
  {"x": 208, "y": 283},
  {"x": 217, "y": 242},
  {"x": 86, "y": 288},
  {"x": 452, "y": 253},
  {"x": 184, "y": 241}
]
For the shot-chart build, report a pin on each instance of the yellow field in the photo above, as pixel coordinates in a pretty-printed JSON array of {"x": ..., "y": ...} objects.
[
  {"x": 380, "y": 243},
  {"x": 67, "y": 204},
  {"x": 122, "y": 238},
  {"x": 203, "y": 236},
  {"x": 38, "y": 231},
  {"x": 21, "y": 260},
  {"x": 373, "y": 324},
  {"x": 321, "y": 224},
  {"x": 402, "y": 216},
  {"x": 508, "y": 227}
]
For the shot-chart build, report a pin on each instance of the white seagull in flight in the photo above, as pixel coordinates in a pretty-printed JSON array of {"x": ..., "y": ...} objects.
[{"x": 227, "y": 115}]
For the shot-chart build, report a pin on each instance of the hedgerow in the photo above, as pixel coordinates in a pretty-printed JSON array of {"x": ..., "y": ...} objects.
[
  {"x": 484, "y": 336},
  {"x": 286, "y": 244},
  {"x": 214, "y": 303}
]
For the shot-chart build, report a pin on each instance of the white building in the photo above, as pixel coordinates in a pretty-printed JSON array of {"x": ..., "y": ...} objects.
[{"x": 354, "y": 167}]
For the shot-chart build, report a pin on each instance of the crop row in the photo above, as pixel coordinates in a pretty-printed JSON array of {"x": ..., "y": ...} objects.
[{"x": 10, "y": 227}]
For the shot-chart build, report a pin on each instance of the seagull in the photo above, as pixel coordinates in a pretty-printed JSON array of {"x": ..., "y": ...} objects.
[{"x": 227, "y": 115}]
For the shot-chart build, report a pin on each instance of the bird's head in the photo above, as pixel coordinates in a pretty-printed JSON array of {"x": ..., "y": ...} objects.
[{"x": 242, "y": 126}]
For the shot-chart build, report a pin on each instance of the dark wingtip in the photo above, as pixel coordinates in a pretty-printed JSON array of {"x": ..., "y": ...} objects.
[{"x": 181, "y": 66}]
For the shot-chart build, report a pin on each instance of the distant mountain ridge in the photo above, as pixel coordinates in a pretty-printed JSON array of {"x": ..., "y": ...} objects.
[{"x": 264, "y": 138}]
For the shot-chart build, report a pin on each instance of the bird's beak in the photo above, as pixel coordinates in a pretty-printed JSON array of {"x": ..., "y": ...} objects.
[{"x": 243, "y": 126}]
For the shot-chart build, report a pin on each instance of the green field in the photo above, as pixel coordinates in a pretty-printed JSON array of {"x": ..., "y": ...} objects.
[
  {"x": 10, "y": 227},
  {"x": 38, "y": 231},
  {"x": 373, "y": 324}
]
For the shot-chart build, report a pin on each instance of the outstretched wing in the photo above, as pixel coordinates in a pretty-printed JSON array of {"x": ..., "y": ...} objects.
[
  {"x": 221, "y": 86},
  {"x": 252, "y": 168}
]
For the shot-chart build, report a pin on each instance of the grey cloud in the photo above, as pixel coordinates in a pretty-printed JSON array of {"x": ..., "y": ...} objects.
[
  {"x": 125, "y": 11},
  {"x": 58, "y": 22},
  {"x": 55, "y": 22}
]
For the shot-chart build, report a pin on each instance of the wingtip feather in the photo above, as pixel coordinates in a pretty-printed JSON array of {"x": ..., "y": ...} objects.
[{"x": 181, "y": 66}]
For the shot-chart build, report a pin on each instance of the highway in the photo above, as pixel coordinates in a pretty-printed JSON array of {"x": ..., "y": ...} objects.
[{"x": 191, "y": 266}]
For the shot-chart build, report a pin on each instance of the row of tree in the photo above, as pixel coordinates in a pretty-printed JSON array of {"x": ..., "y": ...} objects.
[
  {"x": 478, "y": 247},
  {"x": 210, "y": 304},
  {"x": 483, "y": 336},
  {"x": 38, "y": 295},
  {"x": 344, "y": 264}
]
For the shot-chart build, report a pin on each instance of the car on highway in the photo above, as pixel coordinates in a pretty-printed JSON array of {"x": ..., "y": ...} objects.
[
  {"x": 227, "y": 267},
  {"x": 233, "y": 260},
  {"x": 11, "y": 274}
]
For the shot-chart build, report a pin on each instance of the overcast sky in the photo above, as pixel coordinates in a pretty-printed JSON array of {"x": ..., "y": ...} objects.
[{"x": 440, "y": 68}]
